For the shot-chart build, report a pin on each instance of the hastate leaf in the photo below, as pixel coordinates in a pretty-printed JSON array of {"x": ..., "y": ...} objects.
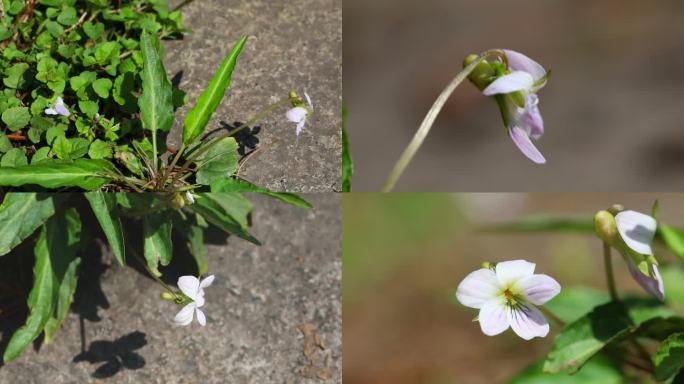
[{"x": 198, "y": 117}]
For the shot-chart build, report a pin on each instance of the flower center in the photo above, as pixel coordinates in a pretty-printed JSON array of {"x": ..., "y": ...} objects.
[{"x": 510, "y": 297}]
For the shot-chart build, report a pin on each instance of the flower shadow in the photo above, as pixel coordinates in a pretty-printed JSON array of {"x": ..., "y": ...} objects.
[{"x": 115, "y": 355}]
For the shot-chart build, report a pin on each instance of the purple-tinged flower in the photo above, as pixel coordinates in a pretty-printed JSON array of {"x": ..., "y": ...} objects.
[
  {"x": 299, "y": 114},
  {"x": 58, "y": 108},
  {"x": 193, "y": 288},
  {"x": 506, "y": 297},
  {"x": 519, "y": 102},
  {"x": 637, "y": 231}
]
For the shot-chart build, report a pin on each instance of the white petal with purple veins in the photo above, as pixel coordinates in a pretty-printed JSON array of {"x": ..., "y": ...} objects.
[
  {"x": 539, "y": 289},
  {"x": 653, "y": 285},
  {"x": 509, "y": 272},
  {"x": 637, "y": 230},
  {"x": 512, "y": 82},
  {"x": 531, "y": 118},
  {"x": 478, "y": 288},
  {"x": 528, "y": 322},
  {"x": 493, "y": 318},
  {"x": 524, "y": 143}
]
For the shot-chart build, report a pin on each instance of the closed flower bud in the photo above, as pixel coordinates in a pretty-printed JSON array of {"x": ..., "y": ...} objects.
[{"x": 606, "y": 227}]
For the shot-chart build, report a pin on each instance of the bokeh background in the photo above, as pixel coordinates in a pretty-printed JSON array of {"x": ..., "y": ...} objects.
[
  {"x": 405, "y": 254},
  {"x": 613, "y": 106}
]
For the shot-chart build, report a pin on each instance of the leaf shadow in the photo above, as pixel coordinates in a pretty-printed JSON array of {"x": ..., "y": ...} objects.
[{"x": 114, "y": 355}]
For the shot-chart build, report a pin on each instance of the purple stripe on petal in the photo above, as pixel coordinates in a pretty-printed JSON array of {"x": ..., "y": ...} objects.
[
  {"x": 493, "y": 318},
  {"x": 653, "y": 285},
  {"x": 524, "y": 143},
  {"x": 528, "y": 322}
]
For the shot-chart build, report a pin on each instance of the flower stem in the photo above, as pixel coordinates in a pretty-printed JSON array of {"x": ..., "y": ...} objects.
[
  {"x": 552, "y": 316},
  {"x": 426, "y": 125},
  {"x": 610, "y": 279}
]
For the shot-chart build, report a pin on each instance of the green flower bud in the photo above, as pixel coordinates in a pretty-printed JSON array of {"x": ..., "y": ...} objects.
[
  {"x": 606, "y": 227},
  {"x": 483, "y": 73},
  {"x": 615, "y": 209},
  {"x": 177, "y": 202},
  {"x": 166, "y": 295}
]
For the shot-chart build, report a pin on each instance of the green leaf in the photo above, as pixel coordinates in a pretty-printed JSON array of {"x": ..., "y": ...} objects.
[
  {"x": 606, "y": 324},
  {"x": 544, "y": 224},
  {"x": 20, "y": 215},
  {"x": 673, "y": 238},
  {"x": 94, "y": 31},
  {"x": 69, "y": 234},
  {"x": 87, "y": 174},
  {"x": 227, "y": 211},
  {"x": 198, "y": 117},
  {"x": 157, "y": 241},
  {"x": 229, "y": 184},
  {"x": 100, "y": 150},
  {"x": 599, "y": 370},
  {"x": 156, "y": 104},
  {"x": 55, "y": 250},
  {"x": 15, "y": 75},
  {"x": 16, "y": 118},
  {"x": 217, "y": 162},
  {"x": 669, "y": 358},
  {"x": 68, "y": 16},
  {"x": 673, "y": 280},
  {"x": 104, "y": 208},
  {"x": 62, "y": 148},
  {"x": 54, "y": 28},
  {"x": 574, "y": 302},
  {"x": 88, "y": 107},
  {"x": 347, "y": 163},
  {"x": 5, "y": 144},
  {"x": 15, "y": 157},
  {"x": 102, "y": 87}
]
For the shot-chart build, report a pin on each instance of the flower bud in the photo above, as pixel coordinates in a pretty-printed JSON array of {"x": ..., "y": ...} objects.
[
  {"x": 615, "y": 209},
  {"x": 178, "y": 201},
  {"x": 482, "y": 74},
  {"x": 166, "y": 295},
  {"x": 606, "y": 227}
]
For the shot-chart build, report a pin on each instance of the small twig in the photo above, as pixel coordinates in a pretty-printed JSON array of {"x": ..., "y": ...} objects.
[{"x": 78, "y": 24}]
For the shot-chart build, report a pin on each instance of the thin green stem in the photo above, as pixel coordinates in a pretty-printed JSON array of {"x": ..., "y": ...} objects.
[
  {"x": 147, "y": 268},
  {"x": 610, "y": 279},
  {"x": 154, "y": 153}
]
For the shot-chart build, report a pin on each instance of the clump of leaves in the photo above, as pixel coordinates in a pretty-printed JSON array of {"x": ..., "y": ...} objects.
[
  {"x": 53, "y": 221},
  {"x": 88, "y": 53}
]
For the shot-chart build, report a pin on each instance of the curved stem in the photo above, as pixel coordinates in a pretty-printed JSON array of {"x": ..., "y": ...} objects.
[
  {"x": 425, "y": 126},
  {"x": 552, "y": 316},
  {"x": 610, "y": 279}
]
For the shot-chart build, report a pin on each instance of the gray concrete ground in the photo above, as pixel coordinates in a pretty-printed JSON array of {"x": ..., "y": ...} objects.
[
  {"x": 273, "y": 314},
  {"x": 293, "y": 44}
]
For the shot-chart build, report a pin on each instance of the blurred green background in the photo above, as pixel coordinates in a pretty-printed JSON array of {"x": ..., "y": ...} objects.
[{"x": 405, "y": 254}]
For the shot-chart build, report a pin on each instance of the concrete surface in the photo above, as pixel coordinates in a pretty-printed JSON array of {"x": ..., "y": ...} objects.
[
  {"x": 293, "y": 44},
  {"x": 273, "y": 313},
  {"x": 612, "y": 106}
]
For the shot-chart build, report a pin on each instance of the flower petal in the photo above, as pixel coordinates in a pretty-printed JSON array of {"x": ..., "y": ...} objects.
[
  {"x": 300, "y": 126},
  {"x": 531, "y": 118},
  {"x": 528, "y": 322},
  {"x": 478, "y": 288},
  {"x": 199, "y": 300},
  {"x": 189, "y": 285},
  {"x": 308, "y": 99},
  {"x": 637, "y": 230},
  {"x": 514, "y": 81},
  {"x": 60, "y": 108},
  {"x": 296, "y": 114},
  {"x": 510, "y": 272},
  {"x": 525, "y": 145},
  {"x": 493, "y": 318},
  {"x": 51, "y": 111},
  {"x": 184, "y": 316},
  {"x": 206, "y": 281},
  {"x": 539, "y": 289},
  {"x": 201, "y": 319},
  {"x": 519, "y": 62},
  {"x": 652, "y": 284}
]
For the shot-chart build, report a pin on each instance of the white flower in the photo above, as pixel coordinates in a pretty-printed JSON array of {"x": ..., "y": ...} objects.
[
  {"x": 193, "y": 288},
  {"x": 506, "y": 297},
  {"x": 637, "y": 230},
  {"x": 189, "y": 197},
  {"x": 299, "y": 114},
  {"x": 58, "y": 108},
  {"x": 524, "y": 123}
]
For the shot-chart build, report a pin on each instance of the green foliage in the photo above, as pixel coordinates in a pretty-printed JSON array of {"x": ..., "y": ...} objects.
[
  {"x": 156, "y": 104},
  {"x": 104, "y": 208},
  {"x": 605, "y": 325},
  {"x": 20, "y": 215},
  {"x": 347, "y": 163},
  {"x": 236, "y": 185},
  {"x": 198, "y": 117},
  {"x": 598, "y": 370},
  {"x": 669, "y": 358},
  {"x": 83, "y": 173},
  {"x": 55, "y": 252},
  {"x": 227, "y": 211},
  {"x": 218, "y": 162},
  {"x": 157, "y": 241}
]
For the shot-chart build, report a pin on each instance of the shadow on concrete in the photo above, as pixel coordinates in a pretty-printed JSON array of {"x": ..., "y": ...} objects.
[{"x": 115, "y": 355}]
